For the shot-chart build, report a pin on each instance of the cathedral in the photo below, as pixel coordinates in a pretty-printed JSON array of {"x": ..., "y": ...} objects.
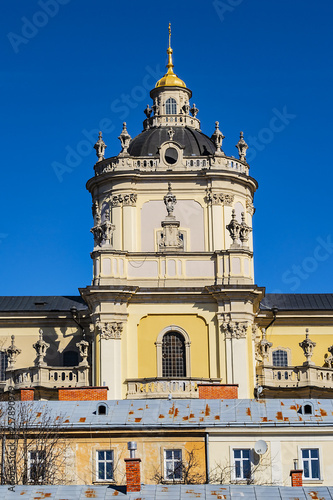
[
  {"x": 173, "y": 309},
  {"x": 173, "y": 344}
]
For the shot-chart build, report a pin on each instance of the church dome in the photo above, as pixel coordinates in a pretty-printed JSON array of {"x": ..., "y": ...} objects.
[{"x": 193, "y": 141}]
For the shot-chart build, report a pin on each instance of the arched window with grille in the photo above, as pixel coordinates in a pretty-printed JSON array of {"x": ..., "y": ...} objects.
[
  {"x": 280, "y": 357},
  {"x": 3, "y": 365},
  {"x": 173, "y": 355},
  {"x": 170, "y": 106}
]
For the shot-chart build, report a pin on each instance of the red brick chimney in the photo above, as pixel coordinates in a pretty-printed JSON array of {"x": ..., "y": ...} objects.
[
  {"x": 296, "y": 477},
  {"x": 133, "y": 476}
]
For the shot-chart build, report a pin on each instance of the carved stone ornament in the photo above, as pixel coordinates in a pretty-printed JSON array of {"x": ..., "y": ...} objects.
[
  {"x": 96, "y": 212},
  {"x": 234, "y": 329},
  {"x": 128, "y": 199},
  {"x": 186, "y": 108},
  {"x": 171, "y": 133},
  {"x": 217, "y": 138},
  {"x": 148, "y": 111},
  {"x": 100, "y": 147},
  {"x": 109, "y": 330},
  {"x": 329, "y": 359},
  {"x": 249, "y": 207},
  {"x": 264, "y": 347},
  {"x": 242, "y": 147},
  {"x": 244, "y": 230},
  {"x": 103, "y": 233},
  {"x": 125, "y": 140},
  {"x": 307, "y": 345},
  {"x": 170, "y": 201},
  {"x": 234, "y": 228},
  {"x": 41, "y": 347},
  {"x": 219, "y": 198},
  {"x": 255, "y": 331},
  {"x": 12, "y": 352},
  {"x": 83, "y": 347},
  {"x": 156, "y": 107},
  {"x": 194, "y": 110}
]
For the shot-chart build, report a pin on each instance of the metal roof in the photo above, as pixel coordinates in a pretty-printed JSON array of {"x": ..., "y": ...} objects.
[
  {"x": 182, "y": 413},
  {"x": 168, "y": 492},
  {"x": 283, "y": 301},
  {"x": 194, "y": 142},
  {"x": 298, "y": 301},
  {"x": 41, "y": 303}
]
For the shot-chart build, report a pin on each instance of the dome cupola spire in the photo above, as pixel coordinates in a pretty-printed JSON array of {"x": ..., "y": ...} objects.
[{"x": 170, "y": 79}]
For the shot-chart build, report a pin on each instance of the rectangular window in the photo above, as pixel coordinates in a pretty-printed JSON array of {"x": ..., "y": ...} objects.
[
  {"x": 3, "y": 365},
  {"x": 36, "y": 466},
  {"x": 173, "y": 465},
  {"x": 310, "y": 459},
  {"x": 104, "y": 462},
  {"x": 242, "y": 464}
]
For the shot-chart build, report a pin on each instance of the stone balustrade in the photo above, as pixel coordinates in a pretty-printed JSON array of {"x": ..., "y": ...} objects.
[
  {"x": 295, "y": 376},
  {"x": 156, "y": 388},
  {"x": 48, "y": 377}
]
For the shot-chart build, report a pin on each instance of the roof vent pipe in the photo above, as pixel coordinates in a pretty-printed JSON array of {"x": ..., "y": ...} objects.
[{"x": 132, "y": 446}]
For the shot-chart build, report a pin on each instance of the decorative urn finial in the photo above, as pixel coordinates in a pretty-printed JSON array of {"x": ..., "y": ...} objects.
[
  {"x": 125, "y": 140},
  {"x": 307, "y": 345},
  {"x": 217, "y": 138},
  {"x": 242, "y": 147},
  {"x": 100, "y": 147}
]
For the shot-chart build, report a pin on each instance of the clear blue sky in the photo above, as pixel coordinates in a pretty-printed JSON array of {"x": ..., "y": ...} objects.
[{"x": 65, "y": 72}]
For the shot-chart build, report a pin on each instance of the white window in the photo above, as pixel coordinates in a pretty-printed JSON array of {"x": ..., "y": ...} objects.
[
  {"x": 104, "y": 463},
  {"x": 36, "y": 466},
  {"x": 173, "y": 465},
  {"x": 242, "y": 464},
  {"x": 310, "y": 461},
  {"x": 170, "y": 106}
]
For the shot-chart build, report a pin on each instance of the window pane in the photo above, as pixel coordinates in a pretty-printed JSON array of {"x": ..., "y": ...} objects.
[
  {"x": 246, "y": 454},
  {"x": 109, "y": 470},
  {"x": 178, "y": 471},
  {"x": 306, "y": 468},
  {"x": 237, "y": 470},
  {"x": 168, "y": 454},
  {"x": 100, "y": 455},
  {"x": 280, "y": 358},
  {"x": 173, "y": 355},
  {"x": 177, "y": 454},
  {"x": 108, "y": 455},
  {"x": 247, "y": 469},
  {"x": 305, "y": 453},
  {"x": 237, "y": 453},
  {"x": 101, "y": 470},
  {"x": 315, "y": 469},
  {"x": 314, "y": 453}
]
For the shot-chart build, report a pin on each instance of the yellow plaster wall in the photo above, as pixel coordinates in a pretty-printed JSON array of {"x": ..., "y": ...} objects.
[
  {"x": 291, "y": 336},
  {"x": 148, "y": 330}
]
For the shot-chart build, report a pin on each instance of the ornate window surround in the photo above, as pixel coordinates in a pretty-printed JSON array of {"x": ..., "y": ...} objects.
[{"x": 158, "y": 343}]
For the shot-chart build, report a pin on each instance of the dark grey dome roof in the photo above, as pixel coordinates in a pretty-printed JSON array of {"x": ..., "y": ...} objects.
[{"x": 194, "y": 142}]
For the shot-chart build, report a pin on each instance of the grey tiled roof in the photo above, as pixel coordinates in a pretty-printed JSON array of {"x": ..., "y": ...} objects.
[
  {"x": 41, "y": 303},
  {"x": 168, "y": 492},
  {"x": 298, "y": 301},
  {"x": 186, "y": 413}
]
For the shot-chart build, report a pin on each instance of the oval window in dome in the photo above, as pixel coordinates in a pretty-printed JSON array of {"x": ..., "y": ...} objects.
[{"x": 171, "y": 156}]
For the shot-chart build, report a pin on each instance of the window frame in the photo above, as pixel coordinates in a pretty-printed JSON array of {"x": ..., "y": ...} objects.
[
  {"x": 280, "y": 348},
  {"x": 301, "y": 461},
  {"x": 158, "y": 343},
  {"x": 171, "y": 103},
  {"x": 97, "y": 462},
  {"x": 31, "y": 462},
  {"x": 233, "y": 462},
  {"x": 173, "y": 461}
]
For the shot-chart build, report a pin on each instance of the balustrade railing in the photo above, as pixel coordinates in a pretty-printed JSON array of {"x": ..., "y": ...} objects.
[
  {"x": 295, "y": 376},
  {"x": 48, "y": 377},
  {"x": 151, "y": 388}
]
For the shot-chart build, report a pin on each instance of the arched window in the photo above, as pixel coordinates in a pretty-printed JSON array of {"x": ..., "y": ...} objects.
[
  {"x": 3, "y": 365},
  {"x": 70, "y": 358},
  {"x": 170, "y": 106},
  {"x": 280, "y": 357},
  {"x": 173, "y": 355}
]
